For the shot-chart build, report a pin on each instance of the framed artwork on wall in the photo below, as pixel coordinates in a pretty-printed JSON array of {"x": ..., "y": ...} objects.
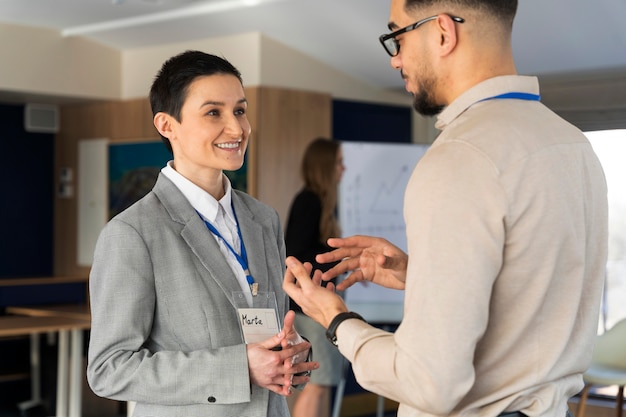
[{"x": 134, "y": 168}]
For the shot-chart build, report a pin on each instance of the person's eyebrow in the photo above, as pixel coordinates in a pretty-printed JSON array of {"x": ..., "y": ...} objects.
[
  {"x": 212, "y": 103},
  {"x": 392, "y": 26},
  {"x": 221, "y": 103}
]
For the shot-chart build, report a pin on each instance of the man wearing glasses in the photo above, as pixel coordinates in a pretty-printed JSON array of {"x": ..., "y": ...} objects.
[{"x": 506, "y": 222}]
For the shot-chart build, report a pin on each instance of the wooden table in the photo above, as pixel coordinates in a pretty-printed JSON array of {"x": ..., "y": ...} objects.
[
  {"x": 18, "y": 282},
  {"x": 67, "y": 320},
  {"x": 73, "y": 311}
]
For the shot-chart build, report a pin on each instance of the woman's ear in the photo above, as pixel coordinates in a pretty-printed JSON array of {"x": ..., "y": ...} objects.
[{"x": 163, "y": 123}]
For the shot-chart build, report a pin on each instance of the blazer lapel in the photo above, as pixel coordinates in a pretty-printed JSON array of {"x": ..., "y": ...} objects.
[
  {"x": 252, "y": 235},
  {"x": 197, "y": 236}
]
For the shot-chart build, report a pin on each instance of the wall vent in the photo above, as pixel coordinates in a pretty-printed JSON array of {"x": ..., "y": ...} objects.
[{"x": 41, "y": 118}]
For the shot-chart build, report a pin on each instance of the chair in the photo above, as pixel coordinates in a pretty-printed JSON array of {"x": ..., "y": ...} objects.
[
  {"x": 340, "y": 388},
  {"x": 608, "y": 366}
]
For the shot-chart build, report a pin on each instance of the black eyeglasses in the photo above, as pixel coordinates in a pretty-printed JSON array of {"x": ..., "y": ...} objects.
[{"x": 390, "y": 43}]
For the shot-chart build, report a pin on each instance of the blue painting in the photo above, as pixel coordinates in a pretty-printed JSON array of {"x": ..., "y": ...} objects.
[{"x": 134, "y": 168}]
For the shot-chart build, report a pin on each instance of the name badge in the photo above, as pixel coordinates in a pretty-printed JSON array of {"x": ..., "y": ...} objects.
[{"x": 259, "y": 321}]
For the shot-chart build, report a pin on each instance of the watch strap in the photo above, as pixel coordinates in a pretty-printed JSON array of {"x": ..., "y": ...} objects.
[{"x": 331, "y": 332}]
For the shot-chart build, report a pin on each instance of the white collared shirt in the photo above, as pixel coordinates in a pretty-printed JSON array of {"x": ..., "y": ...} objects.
[{"x": 219, "y": 213}]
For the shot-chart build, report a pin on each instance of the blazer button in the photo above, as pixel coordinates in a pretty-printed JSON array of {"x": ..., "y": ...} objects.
[{"x": 211, "y": 399}]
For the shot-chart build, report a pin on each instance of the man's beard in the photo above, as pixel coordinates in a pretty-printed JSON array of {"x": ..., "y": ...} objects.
[{"x": 423, "y": 102}]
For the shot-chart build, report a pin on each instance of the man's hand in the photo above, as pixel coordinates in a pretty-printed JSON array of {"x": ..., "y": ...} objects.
[
  {"x": 320, "y": 303},
  {"x": 368, "y": 258}
]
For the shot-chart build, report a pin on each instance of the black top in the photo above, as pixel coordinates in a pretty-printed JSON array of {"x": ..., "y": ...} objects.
[{"x": 302, "y": 235}]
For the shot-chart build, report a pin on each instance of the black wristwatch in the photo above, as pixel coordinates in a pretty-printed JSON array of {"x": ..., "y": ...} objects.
[{"x": 336, "y": 321}]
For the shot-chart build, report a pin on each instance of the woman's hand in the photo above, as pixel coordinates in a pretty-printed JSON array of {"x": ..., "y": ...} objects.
[{"x": 275, "y": 369}]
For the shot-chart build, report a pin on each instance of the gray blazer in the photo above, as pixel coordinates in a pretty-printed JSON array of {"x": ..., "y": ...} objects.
[{"x": 164, "y": 326}]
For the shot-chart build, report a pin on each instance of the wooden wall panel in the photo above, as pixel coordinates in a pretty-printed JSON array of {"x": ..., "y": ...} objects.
[
  {"x": 132, "y": 119},
  {"x": 254, "y": 110},
  {"x": 287, "y": 121}
]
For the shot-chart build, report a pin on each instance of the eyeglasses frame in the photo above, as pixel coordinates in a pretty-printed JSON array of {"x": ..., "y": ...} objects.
[{"x": 393, "y": 35}]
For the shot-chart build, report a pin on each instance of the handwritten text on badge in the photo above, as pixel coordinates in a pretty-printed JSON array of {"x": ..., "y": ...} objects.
[{"x": 258, "y": 324}]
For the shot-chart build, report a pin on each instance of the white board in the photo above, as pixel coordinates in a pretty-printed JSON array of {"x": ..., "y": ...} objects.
[{"x": 371, "y": 199}]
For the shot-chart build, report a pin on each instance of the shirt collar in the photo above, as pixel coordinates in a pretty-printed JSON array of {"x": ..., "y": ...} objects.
[
  {"x": 484, "y": 90},
  {"x": 199, "y": 199}
]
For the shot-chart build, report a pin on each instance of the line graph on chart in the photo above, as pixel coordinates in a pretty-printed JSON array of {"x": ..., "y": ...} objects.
[
  {"x": 371, "y": 198},
  {"x": 375, "y": 208},
  {"x": 371, "y": 193}
]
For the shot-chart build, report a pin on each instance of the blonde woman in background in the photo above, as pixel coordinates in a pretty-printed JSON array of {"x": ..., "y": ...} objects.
[{"x": 312, "y": 219}]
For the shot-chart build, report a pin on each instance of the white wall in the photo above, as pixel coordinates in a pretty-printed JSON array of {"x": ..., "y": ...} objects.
[
  {"x": 266, "y": 62},
  {"x": 41, "y": 62},
  {"x": 283, "y": 66},
  {"x": 47, "y": 67},
  {"x": 139, "y": 66}
]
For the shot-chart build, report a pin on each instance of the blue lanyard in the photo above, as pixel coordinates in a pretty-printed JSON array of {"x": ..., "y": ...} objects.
[
  {"x": 243, "y": 258},
  {"x": 515, "y": 95}
]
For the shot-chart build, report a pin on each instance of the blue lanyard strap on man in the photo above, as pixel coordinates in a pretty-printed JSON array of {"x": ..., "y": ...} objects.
[{"x": 515, "y": 95}]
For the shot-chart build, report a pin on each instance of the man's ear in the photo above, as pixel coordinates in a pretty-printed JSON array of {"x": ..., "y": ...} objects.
[
  {"x": 448, "y": 33},
  {"x": 163, "y": 123}
]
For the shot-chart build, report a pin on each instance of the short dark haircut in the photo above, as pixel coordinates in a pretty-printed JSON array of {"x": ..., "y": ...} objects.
[
  {"x": 169, "y": 89},
  {"x": 503, "y": 10}
]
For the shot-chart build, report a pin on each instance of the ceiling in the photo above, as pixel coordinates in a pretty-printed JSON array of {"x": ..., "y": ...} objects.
[{"x": 550, "y": 36}]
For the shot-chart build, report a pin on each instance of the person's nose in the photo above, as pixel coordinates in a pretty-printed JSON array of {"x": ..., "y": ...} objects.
[
  {"x": 234, "y": 127},
  {"x": 395, "y": 61}
]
